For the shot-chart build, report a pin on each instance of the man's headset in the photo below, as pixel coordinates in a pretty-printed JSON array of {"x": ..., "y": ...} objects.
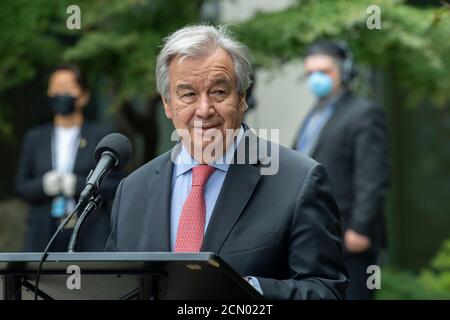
[
  {"x": 336, "y": 49},
  {"x": 348, "y": 69}
]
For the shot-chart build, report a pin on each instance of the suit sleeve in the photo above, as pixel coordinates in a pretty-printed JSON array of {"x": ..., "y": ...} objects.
[
  {"x": 29, "y": 186},
  {"x": 371, "y": 170},
  {"x": 111, "y": 245},
  {"x": 315, "y": 251},
  {"x": 110, "y": 185}
]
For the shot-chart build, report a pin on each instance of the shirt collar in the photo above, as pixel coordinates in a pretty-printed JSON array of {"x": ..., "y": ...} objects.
[
  {"x": 68, "y": 130},
  {"x": 185, "y": 162},
  {"x": 328, "y": 103}
]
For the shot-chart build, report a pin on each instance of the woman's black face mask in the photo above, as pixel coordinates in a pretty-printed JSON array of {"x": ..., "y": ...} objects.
[{"x": 62, "y": 104}]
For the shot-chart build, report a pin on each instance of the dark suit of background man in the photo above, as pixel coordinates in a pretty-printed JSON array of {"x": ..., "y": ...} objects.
[
  {"x": 281, "y": 231},
  {"x": 55, "y": 161},
  {"x": 348, "y": 135}
]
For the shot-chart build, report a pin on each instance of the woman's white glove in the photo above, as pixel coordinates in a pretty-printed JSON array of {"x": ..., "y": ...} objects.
[
  {"x": 51, "y": 183},
  {"x": 69, "y": 184}
]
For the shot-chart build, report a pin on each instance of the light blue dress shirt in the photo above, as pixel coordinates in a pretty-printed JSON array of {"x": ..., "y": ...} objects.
[
  {"x": 182, "y": 184},
  {"x": 312, "y": 128}
]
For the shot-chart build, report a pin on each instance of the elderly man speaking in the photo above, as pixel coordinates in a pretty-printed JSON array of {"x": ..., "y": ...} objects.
[{"x": 280, "y": 230}]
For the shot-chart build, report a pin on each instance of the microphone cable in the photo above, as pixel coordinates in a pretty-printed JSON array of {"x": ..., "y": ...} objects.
[{"x": 49, "y": 244}]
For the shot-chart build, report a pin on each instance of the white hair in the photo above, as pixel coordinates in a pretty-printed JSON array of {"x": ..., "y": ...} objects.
[{"x": 197, "y": 41}]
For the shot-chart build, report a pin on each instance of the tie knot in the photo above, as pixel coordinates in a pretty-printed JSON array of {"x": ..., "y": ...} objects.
[{"x": 201, "y": 174}]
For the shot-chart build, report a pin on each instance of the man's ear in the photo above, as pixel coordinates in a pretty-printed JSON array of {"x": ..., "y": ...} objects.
[
  {"x": 243, "y": 103},
  {"x": 167, "y": 108}
]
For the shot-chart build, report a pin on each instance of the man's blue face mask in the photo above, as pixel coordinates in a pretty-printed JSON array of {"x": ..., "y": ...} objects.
[{"x": 320, "y": 84}]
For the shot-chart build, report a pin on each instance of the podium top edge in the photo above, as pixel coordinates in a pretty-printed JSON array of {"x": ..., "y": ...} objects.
[{"x": 108, "y": 256}]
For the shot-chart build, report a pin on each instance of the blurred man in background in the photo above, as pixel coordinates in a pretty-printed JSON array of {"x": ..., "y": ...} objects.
[
  {"x": 55, "y": 160},
  {"x": 348, "y": 135}
]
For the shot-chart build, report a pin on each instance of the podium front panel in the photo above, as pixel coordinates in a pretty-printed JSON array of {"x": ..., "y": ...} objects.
[{"x": 117, "y": 275}]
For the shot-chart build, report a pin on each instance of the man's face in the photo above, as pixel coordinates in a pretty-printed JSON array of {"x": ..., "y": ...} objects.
[
  {"x": 204, "y": 98},
  {"x": 63, "y": 82},
  {"x": 325, "y": 64}
]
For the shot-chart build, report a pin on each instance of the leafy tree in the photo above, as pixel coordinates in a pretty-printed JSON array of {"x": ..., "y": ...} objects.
[{"x": 118, "y": 38}]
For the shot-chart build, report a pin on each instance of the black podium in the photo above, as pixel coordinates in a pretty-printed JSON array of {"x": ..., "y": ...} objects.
[{"x": 122, "y": 276}]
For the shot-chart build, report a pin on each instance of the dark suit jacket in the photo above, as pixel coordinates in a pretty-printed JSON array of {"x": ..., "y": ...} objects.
[
  {"x": 353, "y": 148},
  {"x": 283, "y": 229},
  {"x": 35, "y": 160}
]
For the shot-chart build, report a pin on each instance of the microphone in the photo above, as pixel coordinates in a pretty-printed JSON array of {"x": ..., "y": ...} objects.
[{"x": 111, "y": 154}]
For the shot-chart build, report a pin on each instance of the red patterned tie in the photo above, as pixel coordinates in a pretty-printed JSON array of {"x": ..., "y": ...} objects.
[{"x": 192, "y": 221}]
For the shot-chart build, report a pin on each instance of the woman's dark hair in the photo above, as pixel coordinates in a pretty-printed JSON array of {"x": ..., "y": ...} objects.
[{"x": 76, "y": 71}]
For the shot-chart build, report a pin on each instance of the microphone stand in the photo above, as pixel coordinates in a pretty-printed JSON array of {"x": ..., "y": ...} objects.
[
  {"x": 109, "y": 151},
  {"x": 49, "y": 244},
  {"x": 93, "y": 204}
]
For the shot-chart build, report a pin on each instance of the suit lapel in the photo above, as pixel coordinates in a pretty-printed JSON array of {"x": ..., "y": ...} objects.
[
  {"x": 159, "y": 189},
  {"x": 47, "y": 146},
  {"x": 238, "y": 187},
  {"x": 340, "y": 105},
  {"x": 84, "y": 150}
]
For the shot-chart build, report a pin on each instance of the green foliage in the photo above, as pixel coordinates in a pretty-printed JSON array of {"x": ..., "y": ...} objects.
[
  {"x": 437, "y": 277},
  {"x": 25, "y": 41},
  {"x": 403, "y": 285},
  {"x": 118, "y": 39},
  {"x": 412, "y": 43},
  {"x": 432, "y": 283}
]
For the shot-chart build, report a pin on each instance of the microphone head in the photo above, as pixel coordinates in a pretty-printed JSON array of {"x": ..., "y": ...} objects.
[{"x": 118, "y": 145}]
